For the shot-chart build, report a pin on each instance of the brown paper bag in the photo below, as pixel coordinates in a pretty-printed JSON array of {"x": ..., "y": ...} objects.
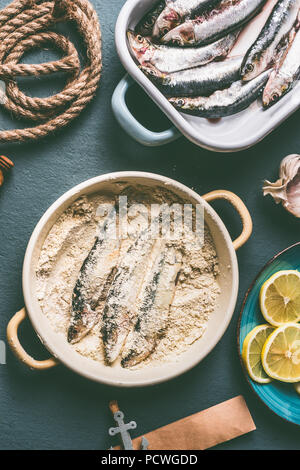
[{"x": 202, "y": 430}]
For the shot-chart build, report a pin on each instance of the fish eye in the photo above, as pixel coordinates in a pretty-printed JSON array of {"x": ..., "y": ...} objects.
[
  {"x": 275, "y": 96},
  {"x": 180, "y": 102},
  {"x": 165, "y": 31},
  {"x": 249, "y": 67},
  {"x": 139, "y": 38}
]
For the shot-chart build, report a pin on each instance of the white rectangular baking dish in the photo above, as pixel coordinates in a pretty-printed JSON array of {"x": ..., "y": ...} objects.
[{"x": 230, "y": 134}]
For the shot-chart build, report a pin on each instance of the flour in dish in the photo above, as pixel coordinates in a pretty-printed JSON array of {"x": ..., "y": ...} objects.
[{"x": 137, "y": 301}]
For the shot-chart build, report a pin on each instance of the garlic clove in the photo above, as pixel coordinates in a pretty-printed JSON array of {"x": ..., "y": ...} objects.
[
  {"x": 286, "y": 190},
  {"x": 293, "y": 195},
  {"x": 277, "y": 190}
]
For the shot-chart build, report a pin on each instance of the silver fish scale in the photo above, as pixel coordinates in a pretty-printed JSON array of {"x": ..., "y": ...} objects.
[
  {"x": 177, "y": 10},
  {"x": 224, "y": 103},
  {"x": 264, "y": 49},
  {"x": 290, "y": 66},
  {"x": 118, "y": 314},
  {"x": 200, "y": 80},
  {"x": 227, "y": 19},
  {"x": 155, "y": 301},
  {"x": 172, "y": 59},
  {"x": 224, "y": 19},
  {"x": 93, "y": 283},
  {"x": 285, "y": 76},
  {"x": 189, "y": 7}
]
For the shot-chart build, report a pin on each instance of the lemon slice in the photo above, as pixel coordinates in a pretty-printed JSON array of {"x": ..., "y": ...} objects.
[
  {"x": 281, "y": 353},
  {"x": 251, "y": 352},
  {"x": 280, "y": 298}
]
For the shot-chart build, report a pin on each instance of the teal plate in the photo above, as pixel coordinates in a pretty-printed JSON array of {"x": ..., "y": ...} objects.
[{"x": 281, "y": 398}]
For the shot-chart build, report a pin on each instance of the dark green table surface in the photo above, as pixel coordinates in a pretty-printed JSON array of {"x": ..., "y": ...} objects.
[{"x": 58, "y": 409}]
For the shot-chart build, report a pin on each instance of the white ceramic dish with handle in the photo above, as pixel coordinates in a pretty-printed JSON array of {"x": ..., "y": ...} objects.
[
  {"x": 230, "y": 134},
  {"x": 57, "y": 343}
]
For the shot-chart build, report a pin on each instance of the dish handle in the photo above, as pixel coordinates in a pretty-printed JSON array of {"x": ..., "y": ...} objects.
[
  {"x": 238, "y": 204},
  {"x": 18, "y": 350},
  {"x": 130, "y": 125}
]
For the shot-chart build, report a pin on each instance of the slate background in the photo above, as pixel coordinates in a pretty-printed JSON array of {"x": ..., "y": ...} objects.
[{"x": 58, "y": 409}]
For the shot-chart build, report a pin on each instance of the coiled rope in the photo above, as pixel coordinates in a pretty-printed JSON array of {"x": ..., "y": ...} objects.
[{"x": 24, "y": 25}]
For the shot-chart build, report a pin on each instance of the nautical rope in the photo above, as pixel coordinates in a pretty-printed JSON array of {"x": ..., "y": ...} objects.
[{"x": 24, "y": 25}]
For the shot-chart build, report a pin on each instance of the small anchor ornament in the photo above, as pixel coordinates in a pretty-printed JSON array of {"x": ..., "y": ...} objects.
[{"x": 123, "y": 429}]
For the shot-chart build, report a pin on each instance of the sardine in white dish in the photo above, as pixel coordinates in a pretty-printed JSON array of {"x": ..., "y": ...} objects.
[
  {"x": 57, "y": 344},
  {"x": 228, "y": 134}
]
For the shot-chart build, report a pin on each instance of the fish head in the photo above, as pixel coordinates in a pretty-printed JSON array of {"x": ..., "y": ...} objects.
[
  {"x": 167, "y": 20},
  {"x": 155, "y": 75},
  {"x": 188, "y": 105},
  {"x": 178, "y": 103},
  {"x": 182, "y": 35},
  {"x": 140, "y": 46},
  {"x": 274, "y": 90},
  {"x": 252, "y": 66}
]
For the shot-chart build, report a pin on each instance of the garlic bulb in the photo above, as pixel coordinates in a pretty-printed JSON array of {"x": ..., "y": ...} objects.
[{"x": 286, "y": 190}]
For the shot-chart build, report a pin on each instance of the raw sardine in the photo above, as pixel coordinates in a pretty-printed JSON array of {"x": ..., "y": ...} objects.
[
  {"x": 153, "y": 308},
  {"x": 93, "y": 282},
  {"x": 119, "y": 313},
  {"x": 176, "y": 11},
  {"x": 199, "y": 80},
  {"x": 264, "y": 50},
  {"x": 226, "y": 102},
  {"x": 226, "y": 17},
  {"x": 145, "y": 26},
  {"x": 172, "y": 59},
  {"x": 286, "y": 74}
]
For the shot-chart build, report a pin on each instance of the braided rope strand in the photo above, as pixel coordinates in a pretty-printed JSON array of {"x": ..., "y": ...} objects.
[{"x": 24, "y": 25}]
